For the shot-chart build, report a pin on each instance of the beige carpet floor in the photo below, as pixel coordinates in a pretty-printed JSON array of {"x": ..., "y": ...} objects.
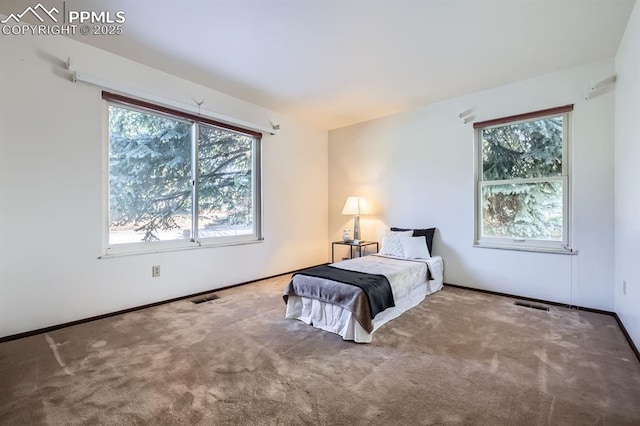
[{"x": 459, "y": 358}]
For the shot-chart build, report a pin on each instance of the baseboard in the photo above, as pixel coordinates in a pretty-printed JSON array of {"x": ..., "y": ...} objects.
[
  {"x": 136, "y": 308},
  {"x": 531, "y": 299},
  {"x": 626, "y": 334},
  {"x": 564, "y": 305}
]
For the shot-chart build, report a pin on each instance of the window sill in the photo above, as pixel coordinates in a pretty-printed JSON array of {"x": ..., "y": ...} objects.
[
  {"x": 123, "y": 252},
  {"x": 548, "y": 250}
]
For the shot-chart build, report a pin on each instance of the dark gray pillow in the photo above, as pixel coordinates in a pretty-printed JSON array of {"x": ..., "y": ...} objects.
[{"x": 428, "y": 233}]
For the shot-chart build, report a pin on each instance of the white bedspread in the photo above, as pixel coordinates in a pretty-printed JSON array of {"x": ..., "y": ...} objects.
[{"x": 403, "y": 275}]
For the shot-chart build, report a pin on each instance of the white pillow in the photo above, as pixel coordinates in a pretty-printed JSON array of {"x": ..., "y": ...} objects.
[
  {"x": 391, "y": 245},
  {"x": 414, "y": 247}
]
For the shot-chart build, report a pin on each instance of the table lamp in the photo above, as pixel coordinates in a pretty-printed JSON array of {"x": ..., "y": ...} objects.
[{"x": 355, "y": 206}]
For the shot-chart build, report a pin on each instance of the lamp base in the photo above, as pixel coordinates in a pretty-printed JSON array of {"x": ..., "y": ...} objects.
[{"x": 356, "y": 229}]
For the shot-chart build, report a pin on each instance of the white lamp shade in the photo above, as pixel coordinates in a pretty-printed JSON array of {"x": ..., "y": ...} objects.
[{"x": 355, "y": 206}]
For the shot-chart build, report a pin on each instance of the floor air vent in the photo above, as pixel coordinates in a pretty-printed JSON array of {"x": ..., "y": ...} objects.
[
  {"x": 205, "y": 298},
  {"x": 531, "y": 305}
]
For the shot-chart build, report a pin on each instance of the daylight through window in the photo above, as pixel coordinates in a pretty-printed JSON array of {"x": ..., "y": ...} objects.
[
  {"x": 522, "y": 181},
  {"x": 177, "y": 180}
]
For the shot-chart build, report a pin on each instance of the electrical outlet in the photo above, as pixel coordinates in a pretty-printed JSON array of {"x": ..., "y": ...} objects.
[
  {"x": 624, "y": 287},
  {"x": 155, "y": 271}
]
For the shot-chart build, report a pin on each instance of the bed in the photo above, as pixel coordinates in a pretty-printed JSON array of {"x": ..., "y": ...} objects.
[{"x": 332, "y": 298}]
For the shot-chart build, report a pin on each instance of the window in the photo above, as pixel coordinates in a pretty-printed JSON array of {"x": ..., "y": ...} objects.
[
  {"x": 522, "y": 187},
  {"x": 177, "y": 179}
]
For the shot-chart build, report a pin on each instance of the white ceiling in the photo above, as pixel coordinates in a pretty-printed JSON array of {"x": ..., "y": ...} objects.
[{"x": 338, "y": 62}]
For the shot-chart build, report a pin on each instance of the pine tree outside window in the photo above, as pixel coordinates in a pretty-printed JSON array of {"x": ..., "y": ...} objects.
[
  {"x": 176, "y": 180},
  {"x": 522, "y": 181}
]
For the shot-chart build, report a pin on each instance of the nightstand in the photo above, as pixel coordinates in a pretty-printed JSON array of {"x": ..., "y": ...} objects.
[{"x": 352, "y": 245}]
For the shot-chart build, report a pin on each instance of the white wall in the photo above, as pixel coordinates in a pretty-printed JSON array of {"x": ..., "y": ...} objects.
[
  {"x": 51, "y": 192},
  {"x": 417, "y": 168},
  {"x": 627, "y": 178}
]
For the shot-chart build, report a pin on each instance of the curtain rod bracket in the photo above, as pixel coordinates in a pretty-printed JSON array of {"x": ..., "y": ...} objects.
[
  {"x": 467, "y": 115},
  {"x": 599, "y": 87}
]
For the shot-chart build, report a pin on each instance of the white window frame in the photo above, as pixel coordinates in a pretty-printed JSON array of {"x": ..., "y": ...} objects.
[
  {"x": 145, "y": 247},
  {"x": 525, "y": 244}
]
